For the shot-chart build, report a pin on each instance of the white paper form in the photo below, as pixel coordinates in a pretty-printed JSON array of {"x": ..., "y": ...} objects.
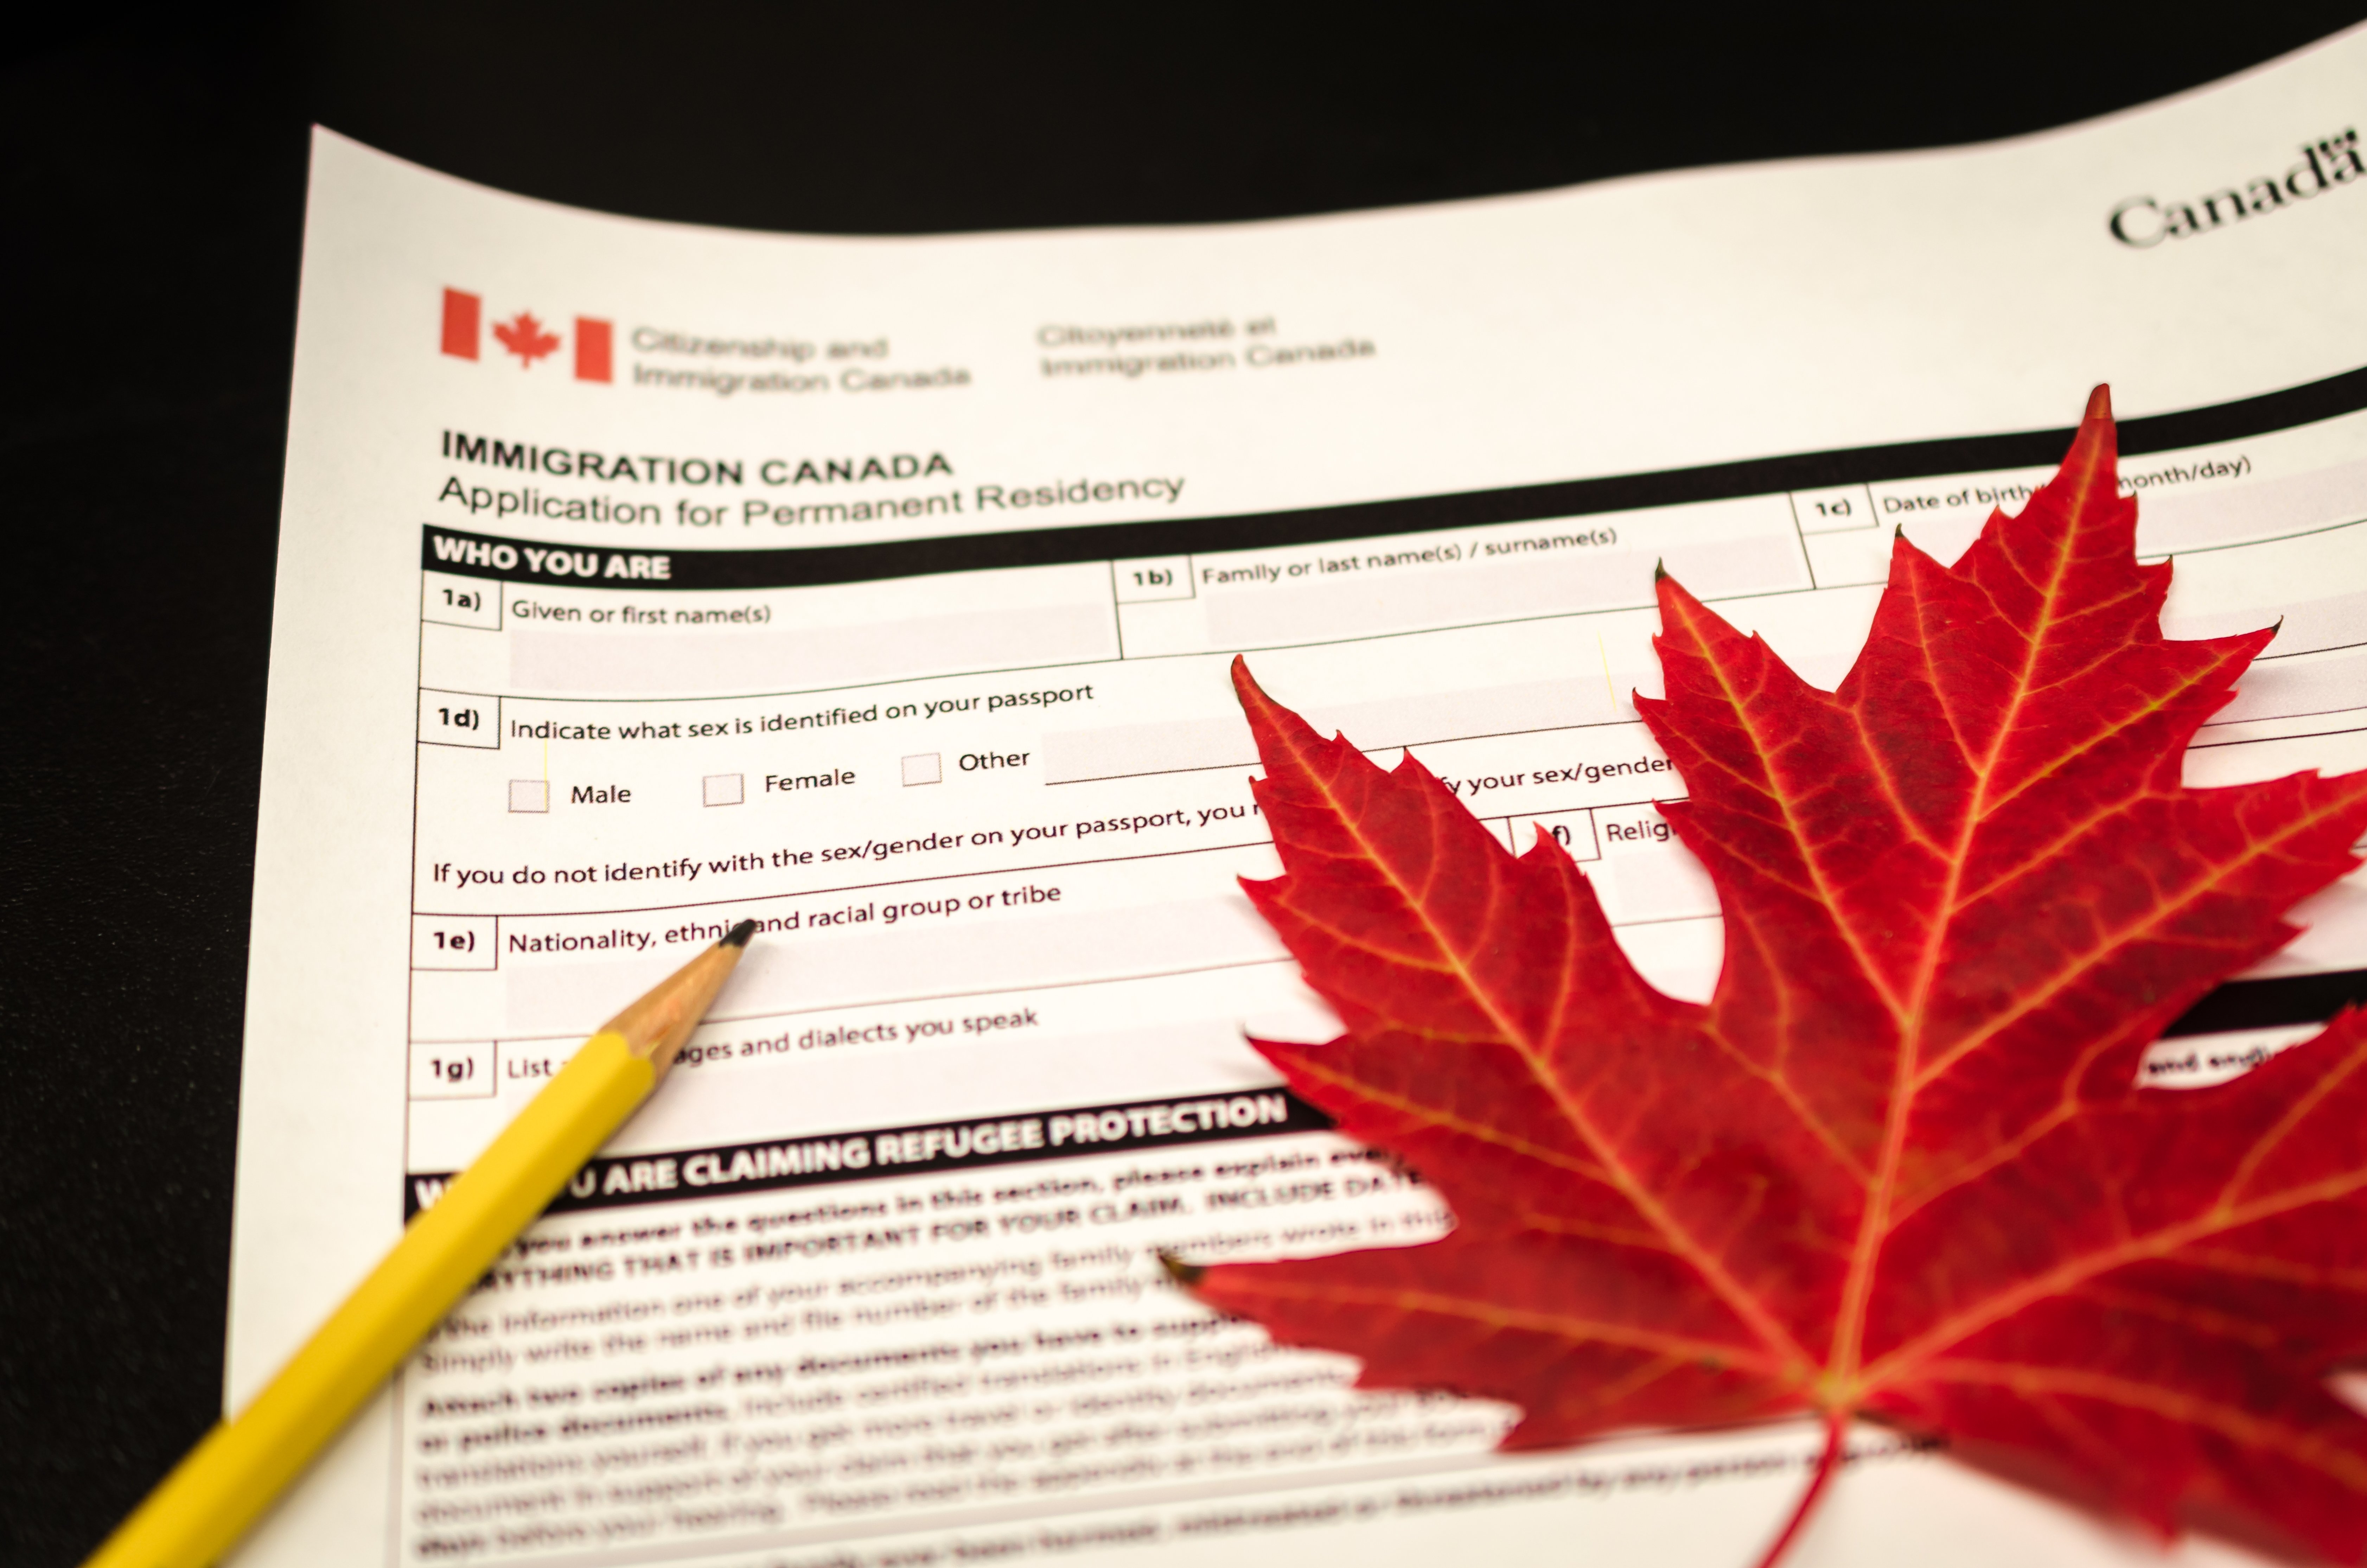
[{"x": 636, "y": 579}]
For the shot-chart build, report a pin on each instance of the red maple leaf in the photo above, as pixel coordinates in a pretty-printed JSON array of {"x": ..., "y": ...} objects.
[
  {"x": 522, "y": 335},
  {"x": 1897, "y": 1168}
]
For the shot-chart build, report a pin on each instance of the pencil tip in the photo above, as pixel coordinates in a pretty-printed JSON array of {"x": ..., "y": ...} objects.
[{"x": 738, "y": 935}]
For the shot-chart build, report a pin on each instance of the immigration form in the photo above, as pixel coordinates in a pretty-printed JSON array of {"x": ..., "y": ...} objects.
[{"x": 636, "y": 579}]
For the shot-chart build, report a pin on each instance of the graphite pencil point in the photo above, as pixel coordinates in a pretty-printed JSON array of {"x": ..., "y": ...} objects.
[{"x": 738, "y": 935}]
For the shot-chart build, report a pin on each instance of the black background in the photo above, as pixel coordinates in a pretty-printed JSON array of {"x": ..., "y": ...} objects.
[{"x": 152, "y": 205}]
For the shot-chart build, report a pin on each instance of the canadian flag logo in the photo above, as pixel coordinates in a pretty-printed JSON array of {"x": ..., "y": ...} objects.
[{"x": 526, "y": 336}]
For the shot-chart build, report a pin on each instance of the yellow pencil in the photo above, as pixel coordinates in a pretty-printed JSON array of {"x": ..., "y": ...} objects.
[{"x": 232, "y": 1476}]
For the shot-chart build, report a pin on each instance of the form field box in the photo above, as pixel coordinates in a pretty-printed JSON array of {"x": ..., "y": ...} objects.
[
  {"x": 530, "y": 794},
  {"x": 462, "y": 1072},
  {"x": 665, "y": 662},
  {"x": 725, "y": 788},
  {"x": 1178, "y": 746},
  {"x": 1754, "y": 557},
  {"x": 453, "y": 941},
  {"x": 459, "y": 719},
  {"x": 1651, "y": 876},
  {"x": 929, "y": 767}
]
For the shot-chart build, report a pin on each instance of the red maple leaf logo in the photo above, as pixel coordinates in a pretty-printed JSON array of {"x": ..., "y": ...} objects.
[{"x": 524, "y": 336}]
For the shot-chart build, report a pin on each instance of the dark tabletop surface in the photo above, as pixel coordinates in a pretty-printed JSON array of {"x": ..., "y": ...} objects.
[{"x": 154, "y": 202}]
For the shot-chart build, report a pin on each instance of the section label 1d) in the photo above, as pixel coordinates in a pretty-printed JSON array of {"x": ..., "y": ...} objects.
[{"x": 459, "y": 719}]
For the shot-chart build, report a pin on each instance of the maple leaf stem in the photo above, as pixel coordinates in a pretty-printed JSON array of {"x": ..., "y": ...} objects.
[{"x": 1836, "y": 1432}]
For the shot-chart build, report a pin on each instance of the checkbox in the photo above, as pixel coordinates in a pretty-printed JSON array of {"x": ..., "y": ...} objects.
[
  {"x": 725, "y": 789},
  {"x": 530, "y": 794},
  {"x": 929, "y": 767}
]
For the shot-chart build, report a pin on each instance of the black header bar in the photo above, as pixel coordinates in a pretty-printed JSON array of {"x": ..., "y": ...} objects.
[
  {"x": 2263, "y": 1004},
  {"x": 928, "y": 1149}
]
